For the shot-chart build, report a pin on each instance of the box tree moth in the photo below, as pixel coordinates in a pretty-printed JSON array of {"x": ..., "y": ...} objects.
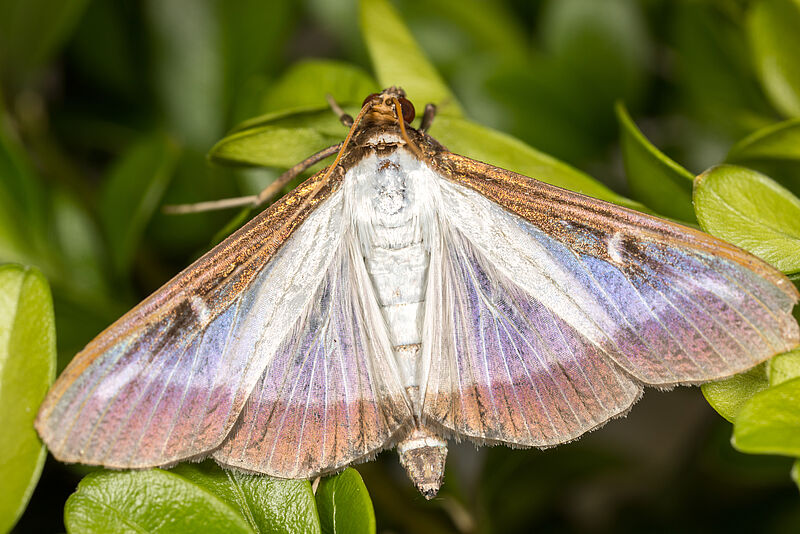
[{"x": 404, "y": 296}]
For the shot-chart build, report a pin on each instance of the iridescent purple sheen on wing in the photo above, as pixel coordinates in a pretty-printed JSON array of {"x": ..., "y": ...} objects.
[
  {"x": 510, "y": 369},
  {"x": 173, "y": 389},
  {"x": 565, "y": 327},
  {"x": 667, "y": 312},
  {"x": 135, "y": 414},
  {"x": 328, "y": 398}
]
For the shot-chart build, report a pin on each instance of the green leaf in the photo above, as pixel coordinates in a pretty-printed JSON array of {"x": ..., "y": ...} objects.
[
  {"x": 27, "y": 368},
  {"x": 280, "y": 139},
  {"x": 268, "y": 504},
  {"x": 714, "y": 72},
  {"x": 752, "y": 211},
  {"x": 784, "y": 367},
  {"x": 654, "y": 179},
  {"x": 398, "y": 60},
  {"x": 193, "y": 180},
  {"x": 80, "y": 243},
  {"x": 344, "y": 504},
  {"x": 772, "y": 29},
  {"x": 542, "y": 104},
  {"x": 484, "y": 144},
  {"x": 21, "y": 199},
  {"x": 779, "y": 141},
  {"x": 186, "y": 42},
  {"x": 560, "y": 99},
  {"x": 189, "y": 499},
  {"x": 795, "y": 474},
  {"x": 307, "y": 83},
  {"x": 489, "y": 26},
  {"x": 773, "y": 150},
  {"x": 132, "y": 192},
  {"x": 770, "y": 422},
  {"x": 728, "y": 396},
  {"x": 603, "y": 48},
  {"x": 253, "y": 36},
  {"x": 113, "y": 66},
  {"x": 31, "y": 31},
  {"x": 147, "y": 501}
]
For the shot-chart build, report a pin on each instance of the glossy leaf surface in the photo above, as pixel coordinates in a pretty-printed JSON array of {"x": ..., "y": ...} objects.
[
  {"x": 769, "y": 423},
  {"x": 751, "y": 211},
  {"x": 344, "y": 504},
  {"x": 190, "y": 498},
  {"x": 27, "y": 368},
  {"x": 307, "y": 83},
  {"x": 729, "y": 396}
]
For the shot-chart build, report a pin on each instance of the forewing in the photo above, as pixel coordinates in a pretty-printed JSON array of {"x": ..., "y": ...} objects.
[
  {"x": 666, "y": 303},
  {"x": 332, "y": 395},
  {"x": 168, "y": 380}
]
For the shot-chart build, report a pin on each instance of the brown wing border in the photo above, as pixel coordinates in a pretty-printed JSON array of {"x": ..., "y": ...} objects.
[
  {"x": 549, "y": 207},
  {"x": 241, "y": 255}
]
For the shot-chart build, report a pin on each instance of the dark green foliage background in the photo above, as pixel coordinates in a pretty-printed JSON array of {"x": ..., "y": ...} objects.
[{"x": 109, "y": 109}]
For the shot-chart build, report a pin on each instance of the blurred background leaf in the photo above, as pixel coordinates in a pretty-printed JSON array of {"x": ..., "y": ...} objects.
[
  {"x": 772, "y": 29},
  {"x": 654, "y": 179},
  {"x": 23, "y": 227},
  {"x": 306, "y": 85},
  {"x": 132, "y": 193},
  {"x": 777, "y": 141},
  {"x": 714, "y": 78},
  {"x": 31, "y": 32},
  {"x": 773, "y": 150}
]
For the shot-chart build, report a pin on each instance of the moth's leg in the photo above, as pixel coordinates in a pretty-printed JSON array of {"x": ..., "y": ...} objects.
[
  {"x": 344, "y": 118},
  {"x": 427, "y": 117},
  {"x": 264, "y": 196}
]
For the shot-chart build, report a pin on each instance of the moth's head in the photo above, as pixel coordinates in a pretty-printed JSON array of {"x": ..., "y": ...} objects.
[{"x": 383, "y": 106}]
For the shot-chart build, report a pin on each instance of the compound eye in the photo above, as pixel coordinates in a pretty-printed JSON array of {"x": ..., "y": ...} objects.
[
  {"x": 369, "y": 99},
  {"x": 408, "y": 109}
]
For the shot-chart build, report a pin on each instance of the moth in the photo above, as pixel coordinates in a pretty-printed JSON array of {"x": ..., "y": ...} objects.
[{"x": 404, "y": 296}]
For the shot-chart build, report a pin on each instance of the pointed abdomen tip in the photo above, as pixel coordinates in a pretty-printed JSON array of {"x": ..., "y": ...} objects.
[{"x": 423, "y": 456}]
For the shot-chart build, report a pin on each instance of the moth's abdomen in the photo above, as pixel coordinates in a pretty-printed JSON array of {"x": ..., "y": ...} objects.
[
  {"x": 398, "y": 276},
  {"x": 393, "y": 219}
]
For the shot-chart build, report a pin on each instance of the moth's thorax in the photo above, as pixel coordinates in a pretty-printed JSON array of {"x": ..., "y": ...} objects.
[{"x": 390, "y": 194}]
